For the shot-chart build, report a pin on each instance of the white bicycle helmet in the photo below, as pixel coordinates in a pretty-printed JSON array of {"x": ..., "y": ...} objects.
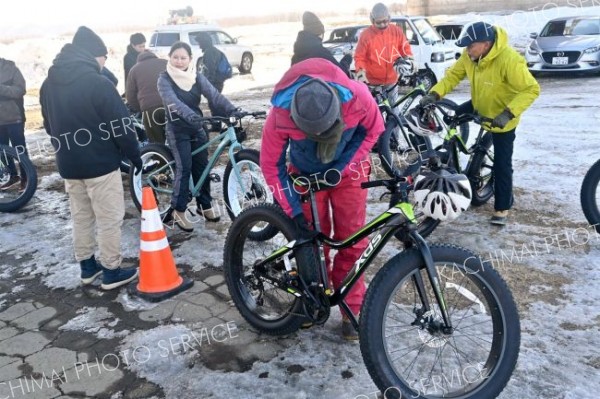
[
  {"x": 404, "y": 67},
  {"x": 443, "y": 195},
  {"x": 422, "y": 122}
]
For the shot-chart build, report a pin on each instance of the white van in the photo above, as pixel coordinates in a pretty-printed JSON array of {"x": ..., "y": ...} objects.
[{"x": 426, "y": 44}]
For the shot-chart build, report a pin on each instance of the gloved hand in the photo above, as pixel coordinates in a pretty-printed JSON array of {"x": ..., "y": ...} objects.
[
  {"x": 429, "y": 99},
  {"x": 361, "y": 76},
  {"x": 502, "y": 119},
  {"x": 302, "y": 227},
  {"x": 137, "y": 166},
  {"x": 238, "y": 113}
]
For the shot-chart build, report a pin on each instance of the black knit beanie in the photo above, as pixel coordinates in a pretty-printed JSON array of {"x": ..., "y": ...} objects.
[
  {"x": 86, "y": 39},
  {"x": 312, "y": 23}
]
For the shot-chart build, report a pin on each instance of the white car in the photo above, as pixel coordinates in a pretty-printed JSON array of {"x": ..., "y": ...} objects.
[{"x": 163, "y": 37}]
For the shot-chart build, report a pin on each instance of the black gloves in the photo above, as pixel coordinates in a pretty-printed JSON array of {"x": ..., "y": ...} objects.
[
  {"x": 238, "y": 113},
  {"x": 302, "y": 227},
  {"x": 429, "y": 99},
  {"x": 502, "y": 119},
  {"x": 137, "y": 166}
]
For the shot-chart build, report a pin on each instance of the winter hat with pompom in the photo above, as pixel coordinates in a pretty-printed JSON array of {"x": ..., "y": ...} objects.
[
  {"x": 312, "y": 23},
  {"x": 86, "y": 39}
]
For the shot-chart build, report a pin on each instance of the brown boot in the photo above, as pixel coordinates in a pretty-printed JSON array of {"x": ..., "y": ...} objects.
[{"x": 499, "y": 218}]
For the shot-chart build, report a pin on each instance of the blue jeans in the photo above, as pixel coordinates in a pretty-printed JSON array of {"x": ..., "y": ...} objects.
[
  {"x": 14, "y": 135},
  {"x": 503, "y": 171},
  {"x": 182, "y": 146}
]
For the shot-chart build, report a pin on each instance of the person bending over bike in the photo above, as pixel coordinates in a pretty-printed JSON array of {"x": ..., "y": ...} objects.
[
  {"x": 329, "y": 123},
  {"x": 181, "y": 88},
  {"x": 502, "y": 88}
]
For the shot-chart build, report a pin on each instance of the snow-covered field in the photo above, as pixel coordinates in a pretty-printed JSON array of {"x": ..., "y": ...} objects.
[{"x": 547, "y": 253}]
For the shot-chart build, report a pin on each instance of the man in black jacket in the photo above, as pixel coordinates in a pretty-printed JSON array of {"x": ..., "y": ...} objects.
[
  {"x": 137, "y": 44},
  {"x": 211, "y": 56},
  {"x": 309, "y": 42},
  {"x": 89, "y": 128}
]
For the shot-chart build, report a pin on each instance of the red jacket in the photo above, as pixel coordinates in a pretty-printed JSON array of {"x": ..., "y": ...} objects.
[
  {"x": 376, "y": 51},
  {"x": 363, "y": 125}
]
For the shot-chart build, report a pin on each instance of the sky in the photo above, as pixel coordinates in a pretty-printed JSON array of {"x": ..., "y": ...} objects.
[{"x": 121, "y": 13}]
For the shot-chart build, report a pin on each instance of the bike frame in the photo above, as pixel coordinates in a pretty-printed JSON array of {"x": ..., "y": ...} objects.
[
  {"x": 454, "y": 143},
  {"x": 386, "y": 225},
  {"x": 226, "y": 138}
]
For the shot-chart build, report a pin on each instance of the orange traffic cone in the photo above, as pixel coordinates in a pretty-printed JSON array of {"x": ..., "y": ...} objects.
[{"x": 158, "y": 275}]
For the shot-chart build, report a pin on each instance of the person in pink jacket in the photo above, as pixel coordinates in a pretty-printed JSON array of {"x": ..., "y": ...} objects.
[{"x": 329, "y": 123}]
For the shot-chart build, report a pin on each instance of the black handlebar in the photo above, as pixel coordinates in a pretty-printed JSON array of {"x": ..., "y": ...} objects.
[
  {"x": 405, "y": 177},
  {"x": 234, "y": 118},
  {"x": 456, "y": 120}
]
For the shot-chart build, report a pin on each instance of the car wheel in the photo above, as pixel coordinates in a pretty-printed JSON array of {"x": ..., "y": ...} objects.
[{"x": 246, "y": 63}]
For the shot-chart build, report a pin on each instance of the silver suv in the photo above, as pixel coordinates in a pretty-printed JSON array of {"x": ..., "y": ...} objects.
[{"x": 163, "y": 37}]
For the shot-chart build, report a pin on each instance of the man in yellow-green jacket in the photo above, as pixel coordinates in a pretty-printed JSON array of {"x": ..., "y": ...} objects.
[{"x": 502, "y": 88}]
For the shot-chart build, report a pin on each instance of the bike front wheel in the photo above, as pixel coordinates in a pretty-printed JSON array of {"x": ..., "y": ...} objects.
[
  {"x": 267, "y": 307},
  {"x": 247, "y": 189},
  {"x": 406, "y": 348},
  {"x": 481, "y": 172},
  {"x": 18, "y": 179},
  {"x": 158, "y": 172},
  {"x": 589, "y": 196}
]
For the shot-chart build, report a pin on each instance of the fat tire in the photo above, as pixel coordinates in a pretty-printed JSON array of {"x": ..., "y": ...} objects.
[
  {"x": 28, "y": 168},
  {"x": 160, "y": 149},
  {"x": 379, "y": 294},
  {"x": 305, "y": 259},
  {"x": 589, "y": 188},
  {"x": 475, "y": 169},
  {"x": 253, "y": 156}
]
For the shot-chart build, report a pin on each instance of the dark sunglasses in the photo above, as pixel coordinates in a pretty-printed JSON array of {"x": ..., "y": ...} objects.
[{"x": 382, "y": 22}]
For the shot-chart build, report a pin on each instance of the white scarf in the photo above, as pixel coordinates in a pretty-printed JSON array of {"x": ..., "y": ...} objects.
[{"x": 184, "y": 79}]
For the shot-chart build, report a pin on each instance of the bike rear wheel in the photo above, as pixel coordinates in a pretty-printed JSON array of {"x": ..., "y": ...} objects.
[
  {"x": 590, "y": 196},
  {"x": 266, "y": 307},
  {"x": 158, "y": 169},
  {"x": 252, "y": 189},
  {"x": 406, "y": 350},
  {"x": 481, "y": 172},
  {"x": 18, "y": 179}
]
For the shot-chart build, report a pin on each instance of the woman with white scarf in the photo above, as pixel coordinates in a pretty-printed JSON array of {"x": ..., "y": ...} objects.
[{"x": 181, "y": 89}]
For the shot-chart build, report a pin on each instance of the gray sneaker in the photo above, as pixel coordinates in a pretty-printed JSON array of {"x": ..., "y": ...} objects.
[{"x": 182, "y": 221}]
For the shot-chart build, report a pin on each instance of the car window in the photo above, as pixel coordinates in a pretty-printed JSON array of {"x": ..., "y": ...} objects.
[
  {"x": 342, "y": 35},
  {"x": 554, "y": 28},
  {"x": 408, "y": 32},
  {"x": 429, "y": 35},
  {"x": 221, "y": 38},
  {"x": 449, "y": 32},
  {"x": 166, "y": 39},
  {"x": 585, "y": 27},
  {"x": 193, "y": 38}
]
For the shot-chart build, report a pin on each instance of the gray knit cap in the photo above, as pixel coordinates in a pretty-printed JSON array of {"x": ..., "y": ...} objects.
[{"x": 316, "y": 110}]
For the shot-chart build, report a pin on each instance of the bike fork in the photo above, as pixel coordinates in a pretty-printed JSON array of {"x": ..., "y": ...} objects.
[{"x": 433, "y": 278}]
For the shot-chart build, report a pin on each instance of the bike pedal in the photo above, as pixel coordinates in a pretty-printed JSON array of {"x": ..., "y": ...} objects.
[{"x": 215, "y": 178}]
